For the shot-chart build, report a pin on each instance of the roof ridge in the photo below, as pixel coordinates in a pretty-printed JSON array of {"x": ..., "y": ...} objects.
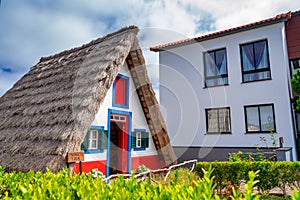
[
  {"x": 287, "y": 16},
  {"x": 91, "y": 43}
]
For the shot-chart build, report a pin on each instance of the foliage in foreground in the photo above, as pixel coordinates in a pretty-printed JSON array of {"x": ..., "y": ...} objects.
[
  {"x": 64, "y": 186},
  {"x": 271, "y": 174}
]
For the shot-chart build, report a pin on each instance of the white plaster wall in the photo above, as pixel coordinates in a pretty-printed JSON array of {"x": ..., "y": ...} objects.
[
  {"x": 184, "y": 98},
  {"x": 138, "y": 118}
]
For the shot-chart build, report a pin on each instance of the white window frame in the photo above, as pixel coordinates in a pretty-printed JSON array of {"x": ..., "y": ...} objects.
[
  {"x": 138, "y": 139},
  {"x": 92, "y": 139}
]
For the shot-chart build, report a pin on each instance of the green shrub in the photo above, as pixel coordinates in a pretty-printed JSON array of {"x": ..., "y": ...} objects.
[
  {"x": 62, "y": 185},
  {"x": 271, "y": 174}
]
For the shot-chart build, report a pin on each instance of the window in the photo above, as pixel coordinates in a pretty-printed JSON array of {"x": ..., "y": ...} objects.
[
  {"x": 260, "y": 118},
  {"x": 215, "y": 69},
  {"x": 95, "y": 139},
  {"x": 121, "y": 91},
  {"x": 218, "y": 120},
  {"x": 140, "y": 140},
  {"x": 294, "y": 64},
  {"x": 255, "y": 61},
  {"x": 298, "y": 122}
]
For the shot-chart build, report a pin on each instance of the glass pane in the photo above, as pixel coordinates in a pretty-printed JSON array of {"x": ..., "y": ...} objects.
[
  {"x": 94, "y": 134},
  {"x": 261, "y": 55},
  {"x": 248, "y": 57},
  {"x": 210, "y": 68},
  {"x": 266, "y": 118},
  {"x": 257, "y": 76},
  {"x": 224, "y": 120},
  {"x": 298, "y": 122},
  {"x": 94, "y": 144},
  {"x": 252, "y": 119},
  {"x": 216, "y": 81},
  {"x": 210, "y": 83},
  {"x": 295, "y": 64},
  {"x": 212, "y": 121},
  {"x": 221, "y": 62}
]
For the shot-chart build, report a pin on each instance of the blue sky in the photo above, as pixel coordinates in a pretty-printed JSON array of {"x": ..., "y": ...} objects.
[{"x": 34, "y": 28}]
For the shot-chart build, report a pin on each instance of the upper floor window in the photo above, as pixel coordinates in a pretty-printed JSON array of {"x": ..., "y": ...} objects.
[
  {"x": 121, "y": 92},
  {"x": 218, "y": 120},
  {"x": 255, "y": 61},
  {"x": 294, "y": 64},
  {"x": 260, "y": 118},
  {"x": 215, "y": 68}
]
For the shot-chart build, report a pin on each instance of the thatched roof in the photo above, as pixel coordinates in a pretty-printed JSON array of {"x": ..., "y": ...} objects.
[{"x": 49, "y": 110}]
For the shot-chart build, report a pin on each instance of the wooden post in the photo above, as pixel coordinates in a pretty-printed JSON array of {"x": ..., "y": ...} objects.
[{"x": 80, "y": 167}]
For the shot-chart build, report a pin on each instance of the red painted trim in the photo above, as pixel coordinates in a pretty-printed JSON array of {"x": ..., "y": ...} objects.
[
  {"x": 152, "y": 162},
  {"x": 88, "y": 166}
]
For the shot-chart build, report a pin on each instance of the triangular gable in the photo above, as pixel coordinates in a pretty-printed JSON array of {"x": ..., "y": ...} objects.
[{"x": 48, "y": 111}]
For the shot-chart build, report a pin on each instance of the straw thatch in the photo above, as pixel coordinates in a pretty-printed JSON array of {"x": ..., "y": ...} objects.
[{"x": 48, "y": 111}]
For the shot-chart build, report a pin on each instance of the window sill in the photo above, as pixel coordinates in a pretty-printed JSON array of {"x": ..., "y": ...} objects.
[
  {"x": 205, "y": 87},
  {"x": 139, "y": 149},
  {"x": 259, "y": 132},
  {"x": 218, "y": 133},
  {"x": 257, "y": 81},
  {"x": 92, "y": 151},
  {"x": 120, "y": 106}
]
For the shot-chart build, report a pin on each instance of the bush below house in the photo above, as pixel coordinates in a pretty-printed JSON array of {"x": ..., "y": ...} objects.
[
  {"x": 62, "y": 185},
  {"x": 283, "y": 175}
]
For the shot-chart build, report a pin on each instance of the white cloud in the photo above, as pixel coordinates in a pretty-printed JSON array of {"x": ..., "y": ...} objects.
[{"x": 36, "y": 28}]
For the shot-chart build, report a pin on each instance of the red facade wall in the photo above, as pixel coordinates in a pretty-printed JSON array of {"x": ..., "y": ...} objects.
[
  {"x": 88, "y": 166},
  {"x": 293, "y": 37},
  {"x": 151, "y": 162}
]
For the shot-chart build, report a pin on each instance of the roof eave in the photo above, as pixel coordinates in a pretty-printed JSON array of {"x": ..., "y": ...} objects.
[{"x": 210, "y": 37}]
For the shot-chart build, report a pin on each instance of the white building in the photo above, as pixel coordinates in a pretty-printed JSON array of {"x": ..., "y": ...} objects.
[{"x": 227, "y": 90}]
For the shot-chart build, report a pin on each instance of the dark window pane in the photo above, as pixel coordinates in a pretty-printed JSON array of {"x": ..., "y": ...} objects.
[
  {"x": 255, "y": 61},
  {"x": 266, "y": 118},
  {"x": 248, "y": 57},
  {"x": 298, "y": 122},
  {"x": 261, "y": 55},
  {"x": 210, "y": 64},
  {"x": 215, "y": 64},
  {"x": 257, "y": 76},
  {"x": 295, "y": 64},
  {"x": 221, "y": 63},
  {"x": 252, "y": 119}
]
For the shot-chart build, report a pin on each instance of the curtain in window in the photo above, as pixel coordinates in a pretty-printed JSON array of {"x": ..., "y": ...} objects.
[
  {"x": 261, "y": 57},
  {"x": 248, "y": 57},
  {"x": 210, "y": 67},
  {"x": 224, "y": 120},
  {"x": 221, "y": 62},
  {"x": 212, "y": 121}
]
